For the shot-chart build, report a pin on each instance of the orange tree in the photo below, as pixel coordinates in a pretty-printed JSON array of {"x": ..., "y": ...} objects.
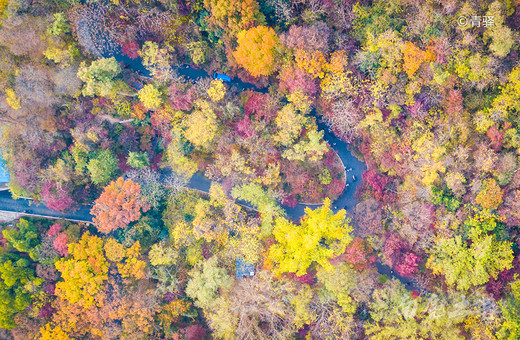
[
  {"x": 255, "y": 51},
  {"x": 413, "y": 57},
  {"x": 119, "y": 204},
  {"x": 490, "y": 195}
]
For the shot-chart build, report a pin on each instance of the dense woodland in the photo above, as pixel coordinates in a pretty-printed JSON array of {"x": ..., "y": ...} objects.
[{"x": 431, "y": 106}]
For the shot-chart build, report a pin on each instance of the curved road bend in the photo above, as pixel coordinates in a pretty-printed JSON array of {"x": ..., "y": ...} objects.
[
  {"x": 356, "y": 167},
  {"x": 345, "y": 201},
  {"x": 199, "y": 182}
]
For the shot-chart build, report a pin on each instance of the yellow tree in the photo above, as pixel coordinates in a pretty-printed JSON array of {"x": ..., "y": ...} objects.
[
  {"x": 53, "y": 333},
  {"x": 290, "y": 124},
  {"x": 312, "y": 63},
  {"x": 12, "y": 99},
  {"x": 320, "y": 236},
  {"x": 256, "y": 49},
  {"x": 201, "y": 124},
  {"x": 217, "y": 91},
  {"x": 470, "y": 265},
  {"x": 150, "y": 96},
  {"x": 234, "y": 15},
  {"x": 84, "y": 273},
  {"x": 507, "y": 103}
]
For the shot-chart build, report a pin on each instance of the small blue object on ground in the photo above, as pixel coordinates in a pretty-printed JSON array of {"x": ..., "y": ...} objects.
[
  {"x": 244, "y": 269},
  {"x": 221, "y": 77},
  {"x": 137, "y": 86},
  {"x": 4, "y": 174}
]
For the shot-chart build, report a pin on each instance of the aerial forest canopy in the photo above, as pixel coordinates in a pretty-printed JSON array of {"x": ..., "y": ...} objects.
[{"x": 260, "y": 169}]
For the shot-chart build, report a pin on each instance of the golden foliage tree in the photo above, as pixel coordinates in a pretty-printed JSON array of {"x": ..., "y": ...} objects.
[
  {"x": 413, "y": 57},
  {"x": 234, "y": 15},
  {"x": 150, "y": 96},
  {"x": 256, "y": 50},
  {"x": 320, "y": 236},
  {"x": 217, "y": 91},
  {"x": 84, "y": 273},
  {"x": 490, "y": 195},
  {"x": 201, "y": 125}
]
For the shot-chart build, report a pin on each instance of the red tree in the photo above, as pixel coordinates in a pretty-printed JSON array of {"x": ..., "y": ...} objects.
[
  {"x": 130, "y": 49},
  {"x": 375, "y": 182},
  {"x": 56, "y": 199},
  {"x": 359, "y": 254},
  {"x": 496, "y": 138},
  {"x": 61, "y": 244},
  {"x": 408, "y": 264}
]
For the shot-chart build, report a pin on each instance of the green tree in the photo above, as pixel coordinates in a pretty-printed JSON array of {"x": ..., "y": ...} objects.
[
  {"x": 103, "y": 167},
  {"x": 23, "y": 237},
  {"x": 340, "y": 283},
  {"x": 99, "y": 77},
  {"x": 178, "y": 158},
  {"x": 396, "y": 314},
  {"x": 502, "y": 38},
  {"x": 138, "y": 160},
  {"x": 312, "y": 148},
  {"x": 16, "y": 277},
  {"x": 320, "y": 236},
  {"x": 157, "y": 61},
  {"x": 466, "y": 266},
  {"x": 162, "y": 254},
  {"x": 510, "y": 307},
  {"x": 263, "y": 200},
  {"x": 59, "y": 25},
  {"x": 206, "y": 279}
]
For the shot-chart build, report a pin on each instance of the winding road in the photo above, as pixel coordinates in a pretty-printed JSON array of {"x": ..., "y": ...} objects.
[
  {"x": 28, "y": 207},
  {"x": 198, "y": 182},
  {"x": 347, "y": 199}
]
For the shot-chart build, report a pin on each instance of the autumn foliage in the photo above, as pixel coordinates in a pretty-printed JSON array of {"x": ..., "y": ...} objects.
[
  {"x": 119, "y": 204},
  {"x": 256, "y": 50},
  {"x": 413, "y": 57},
  {"x": 301, "y": 114}
]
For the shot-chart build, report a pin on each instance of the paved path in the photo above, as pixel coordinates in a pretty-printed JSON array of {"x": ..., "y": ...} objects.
[
  {"x": 27, "y": 207},
  {"x": 347, "y": 199}
]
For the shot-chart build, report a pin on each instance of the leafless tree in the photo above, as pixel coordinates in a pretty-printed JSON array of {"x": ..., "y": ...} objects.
[
  {"x": 344, "y": 118},
  {"x": 155, "y": 187},
  {"x": 22, "y": 35},
  {"x": 90, "y": 27},
  {"x": 66, "y": 81},
  {"x": 34, "y": 87}
]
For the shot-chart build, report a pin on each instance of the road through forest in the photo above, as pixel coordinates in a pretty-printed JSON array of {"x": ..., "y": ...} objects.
[{"x": 346, "y": 200}]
